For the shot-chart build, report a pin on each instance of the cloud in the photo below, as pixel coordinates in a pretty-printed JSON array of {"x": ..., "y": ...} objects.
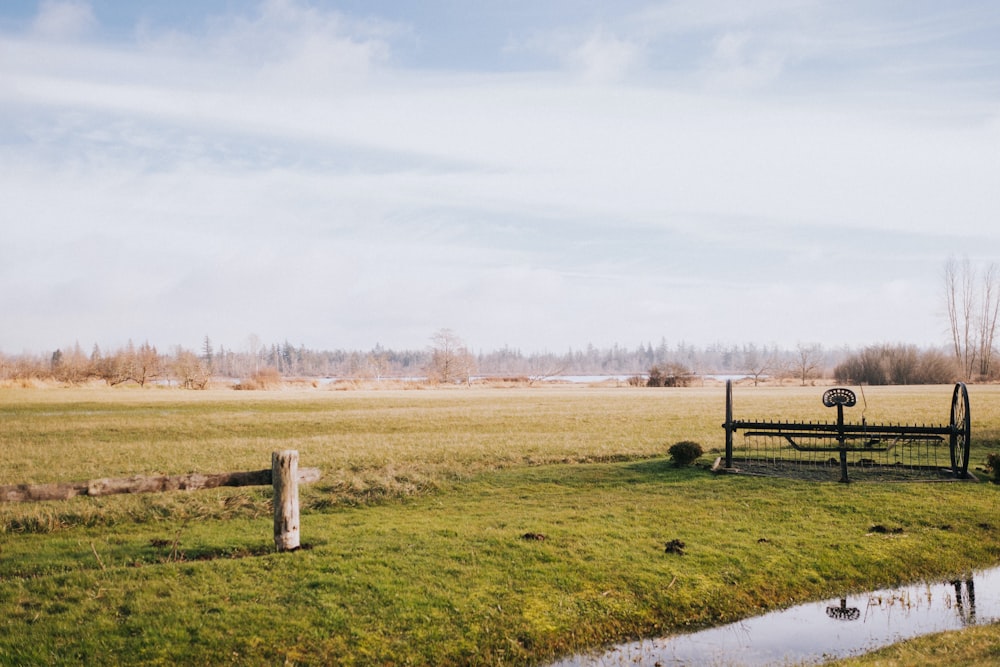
[
  {"x": 285, "y": 171},
  {"x": 733, "y": 66},
  {"x": 602, "y": 57},
  {"x": 294, "y": 47},
  {"x": 61, "y": 20}
]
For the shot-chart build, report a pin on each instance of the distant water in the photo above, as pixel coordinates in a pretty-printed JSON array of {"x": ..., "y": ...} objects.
[{"x": 575, "y": 379}]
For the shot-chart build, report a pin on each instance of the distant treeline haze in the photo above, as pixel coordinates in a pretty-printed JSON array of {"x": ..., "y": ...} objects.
[{"x": 447, "y": 359}]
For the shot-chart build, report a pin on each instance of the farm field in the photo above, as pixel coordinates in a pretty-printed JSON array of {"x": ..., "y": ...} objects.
[{"x": 415, "y": 537}]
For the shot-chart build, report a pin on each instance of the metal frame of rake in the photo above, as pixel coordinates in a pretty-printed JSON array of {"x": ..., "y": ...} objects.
[{"x": 843, "y": 437}]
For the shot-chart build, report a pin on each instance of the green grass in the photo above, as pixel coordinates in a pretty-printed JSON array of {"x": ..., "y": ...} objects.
[
  {"x": 979, "y": 645},
  {"x": 416, "y": 551}
]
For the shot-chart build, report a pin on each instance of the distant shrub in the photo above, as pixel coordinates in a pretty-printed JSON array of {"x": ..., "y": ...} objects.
[
  {"x": 506, "y": 381},
  {"x": 896, "y": 364},
  {"x": 265, "y": 378},
  {"x": 685, "y": 452},
  {"x": 669, "y": 375}
]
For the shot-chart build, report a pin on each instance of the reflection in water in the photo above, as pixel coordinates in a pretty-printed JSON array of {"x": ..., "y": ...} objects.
[
  {"x": 816, "y": 632},
  {"x": 966, "y": 602},
  {"x": 843, "y": 612}
]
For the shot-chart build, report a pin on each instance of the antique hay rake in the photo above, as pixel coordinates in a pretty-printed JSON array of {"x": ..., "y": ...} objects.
[{"x": 881, "y": 448}]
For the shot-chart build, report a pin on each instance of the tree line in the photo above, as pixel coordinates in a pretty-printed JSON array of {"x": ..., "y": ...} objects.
[
  {"x": 446, "y": 359},
  {"x": 971, "y": 296}
]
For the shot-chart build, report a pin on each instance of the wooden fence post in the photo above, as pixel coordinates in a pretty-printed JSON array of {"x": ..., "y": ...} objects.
[{"x": 285, "y": 478}]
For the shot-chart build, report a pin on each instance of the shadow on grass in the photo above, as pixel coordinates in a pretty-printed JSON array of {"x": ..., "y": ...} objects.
[
  {"x": 161, "y": 551},
  {"x": 647, "y": 471},
  {"x": 661, "y": 467}
]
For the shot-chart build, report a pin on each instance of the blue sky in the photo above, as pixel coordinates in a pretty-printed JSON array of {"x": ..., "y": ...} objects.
[{"x": 541, "y": 175}]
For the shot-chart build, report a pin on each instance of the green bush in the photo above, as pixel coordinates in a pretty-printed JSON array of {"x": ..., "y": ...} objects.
[
  {"x": 993, "y": 466},
  {"x": 685, "y": 452}
]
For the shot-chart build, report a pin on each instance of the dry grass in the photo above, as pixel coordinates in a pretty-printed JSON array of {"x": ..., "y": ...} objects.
[
  {"x": 376, "y": 444},
  {"x": 70, "y": 434},
  {"x": 61, "y": 435}
]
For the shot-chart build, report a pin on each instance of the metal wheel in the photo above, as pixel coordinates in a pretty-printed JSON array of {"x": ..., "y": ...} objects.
[{"x": 961, "y": 430}]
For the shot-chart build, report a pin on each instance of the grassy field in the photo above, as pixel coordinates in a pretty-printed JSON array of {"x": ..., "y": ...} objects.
[{"x": 416, "y": 549}]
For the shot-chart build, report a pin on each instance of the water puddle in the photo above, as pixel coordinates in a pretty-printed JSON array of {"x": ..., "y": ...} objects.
[{"x": 815, "y": 632}]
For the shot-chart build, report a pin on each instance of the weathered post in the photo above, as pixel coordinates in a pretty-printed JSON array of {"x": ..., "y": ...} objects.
[
  {"x": 285, "y": 478},
  {"x": 729, "y": 424}
]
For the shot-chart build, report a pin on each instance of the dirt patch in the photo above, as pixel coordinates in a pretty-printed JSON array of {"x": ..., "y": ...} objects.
[{"x": 675, "y": 547}]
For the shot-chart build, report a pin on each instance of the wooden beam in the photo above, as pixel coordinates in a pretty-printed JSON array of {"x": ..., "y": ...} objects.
[{"x": 26, "y": 493}]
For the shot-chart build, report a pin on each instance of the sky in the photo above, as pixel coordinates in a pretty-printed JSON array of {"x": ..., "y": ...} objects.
[{"x": 536, "y": 175}]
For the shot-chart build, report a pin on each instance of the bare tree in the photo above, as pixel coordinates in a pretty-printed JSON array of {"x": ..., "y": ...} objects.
[
  {"x": 544, "y": 367},
  {"x": 989, "y": 306},
  {"x": 377, "y": 362},
  {"x": 450, "y": 360},
  {"x": 958, "y": 295},
  {"x": 759, "y": 362},
  {"x": 253, "y": 345},
  {"x": 808, "y": 360},
  {"x": 972, "y": 315},
  {"x": 147, "y": 364},
  {"x": 71, "y": 366},
  {"x": 112, "y": 368},
  {"x": 190, "y": 370},
  {"x": 131, "y": 364}
]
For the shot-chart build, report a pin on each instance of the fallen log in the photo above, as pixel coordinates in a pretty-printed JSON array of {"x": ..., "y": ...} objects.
[{"x": 26, "y": 493}]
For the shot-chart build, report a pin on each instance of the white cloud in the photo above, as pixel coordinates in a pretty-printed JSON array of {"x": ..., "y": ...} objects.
[
  {"x": 63, "y": 19},
  {"x": 297, "y": 48},
  {"x": 282, "y": 172},
  {"x": 734, "y": 67},
  {"x": 604, "y": 57}
]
